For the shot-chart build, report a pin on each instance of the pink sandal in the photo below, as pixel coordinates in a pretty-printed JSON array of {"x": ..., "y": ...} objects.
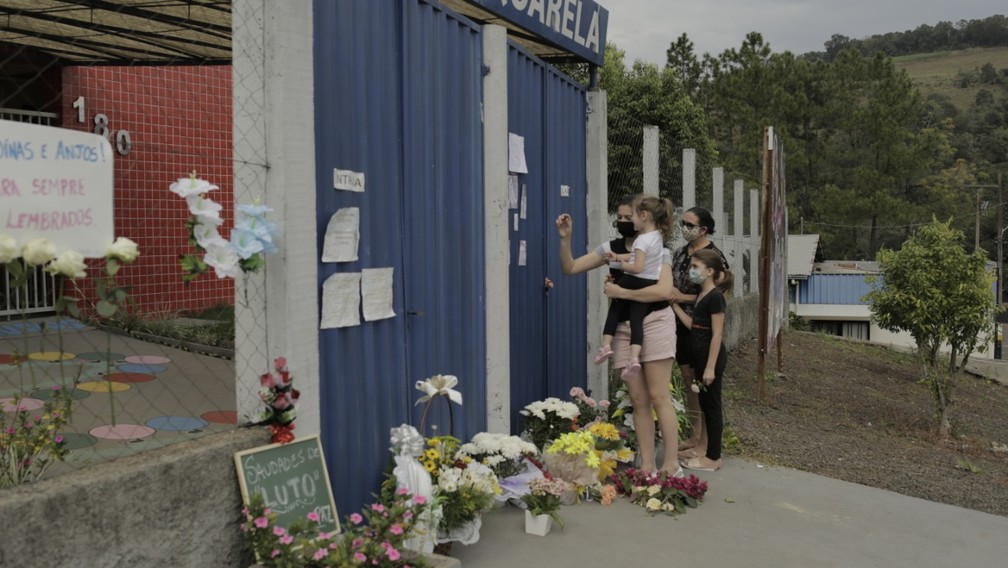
[
  {"x": 604, "y": 353},
  {"x": 631, "y": 370}
]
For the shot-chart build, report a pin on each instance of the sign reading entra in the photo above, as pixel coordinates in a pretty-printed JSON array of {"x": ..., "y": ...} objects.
[{"x": 56, "y": 183}]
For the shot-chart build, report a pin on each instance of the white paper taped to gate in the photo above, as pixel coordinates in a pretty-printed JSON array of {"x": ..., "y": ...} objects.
[
  {"x": 342, "y": 236},
  {"x": 341, "y": 300},
  {"x": 376, "y": 291},
  {"x": 521, "y": 253},
  {"x": 516, "y": 154},
  {"x": 512, "y": 192}
]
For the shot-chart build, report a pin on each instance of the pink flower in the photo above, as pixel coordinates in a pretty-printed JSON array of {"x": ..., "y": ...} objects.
[
  {"x": 282, "y": 402},
  {"x": 419, "y": 499},
  {"x": 407, "y": 515},
  {"x": 280, "y": 363},
  {"x": 356, "y": 518},
  {"x": 603, "y": 404},
  {"x": 267, "y": 380},
  {"x": 11, "y": 431},
  {"x": 577, "y": 392},
  {"x": 275, "y": 553},
  {"x": 58, "y": 439},
  {"x": 403, "y": 491},
  {"x": 357, "y": 542},
  {"x": 320, "y": 554},
  {"x": 286, "y": 539},
  {"x": 261, "y": 522},
  {"x": 313, "y": 516},
  {"x": 359, "y": 557},
  {"x": 395, "y": 529},
  {"x": 245, "y": 511},
  {"x": 378, "y": 508},
  {"x": 392, "y": 553},
  {"x": 279, "y": 531}
]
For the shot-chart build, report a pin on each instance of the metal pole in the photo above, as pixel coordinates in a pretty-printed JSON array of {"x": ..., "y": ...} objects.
[{"x": 976, "y": 246}]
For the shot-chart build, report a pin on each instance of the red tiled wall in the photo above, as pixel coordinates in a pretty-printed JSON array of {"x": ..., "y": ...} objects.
[{"x": 179, "y": 120}]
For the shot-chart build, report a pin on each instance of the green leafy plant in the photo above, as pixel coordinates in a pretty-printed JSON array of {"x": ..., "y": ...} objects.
[{"x": 30, "y": 440}]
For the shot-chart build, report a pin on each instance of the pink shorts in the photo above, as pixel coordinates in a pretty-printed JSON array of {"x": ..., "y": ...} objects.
[{"x": 659, "y": 339}]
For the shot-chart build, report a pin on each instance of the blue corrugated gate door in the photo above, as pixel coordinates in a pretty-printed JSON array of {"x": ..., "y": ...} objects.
[
  {"x": 547, "y": 326},
  {"x": 397, "y": 97}
]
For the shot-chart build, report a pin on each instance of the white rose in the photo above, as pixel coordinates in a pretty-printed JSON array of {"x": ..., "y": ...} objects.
[
  {"x": 695, "y": 387},
  {"x": 70, "y": 264},
  {"x": 38, "y": 251},
  {"x": 653, "y": 504},
  {"x": 123, "y": 249},
  {"x": 8, "y": 249}
]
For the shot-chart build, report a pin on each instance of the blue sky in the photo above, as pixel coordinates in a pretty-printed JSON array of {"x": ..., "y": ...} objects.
[{"x": 645, "y": 28}]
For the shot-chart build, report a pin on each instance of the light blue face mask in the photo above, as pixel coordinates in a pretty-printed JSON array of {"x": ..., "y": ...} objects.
[{"x": 695, "y": 276}]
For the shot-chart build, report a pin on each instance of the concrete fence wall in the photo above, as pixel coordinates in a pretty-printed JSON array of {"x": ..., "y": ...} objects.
[
  {"x": 174, "y": 506},
  {"x": 741, "y": 319}
]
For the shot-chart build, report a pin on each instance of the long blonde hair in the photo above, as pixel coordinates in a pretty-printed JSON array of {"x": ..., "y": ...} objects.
[{"x": 661, "y": 210}]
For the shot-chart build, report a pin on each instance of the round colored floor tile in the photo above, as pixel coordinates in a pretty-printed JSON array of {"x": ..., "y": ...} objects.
[
  {"x": 176, "y": 423},
  {"x": 50, "y": 394},
  {"x": 148, "y": 360},
  {"x": 103, "y": 386},
  {"x": 100, "y": 356},
  {"x": 129, "y": 377},
  {"x": 75, "y": 441},
  {"x": 51, "y": 356},
  {"x": 29, "y": 404},
  {"x": 221, "y": 416},
  {"x": 121, "y": 432},
  {"x": 141, "y": 368},
  {"x": 7, "y": 359}
]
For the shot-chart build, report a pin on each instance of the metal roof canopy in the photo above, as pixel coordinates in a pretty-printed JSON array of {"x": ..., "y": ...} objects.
[{"x": 120, "y": 31}]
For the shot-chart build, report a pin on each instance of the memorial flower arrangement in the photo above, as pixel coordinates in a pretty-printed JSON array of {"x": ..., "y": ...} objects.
[
  {"x": 660, "y": 492},
  {"x": 544, "y": 498},
  {"x": 373, "y": 537},
  {"x": 280, "y": 397},
  {"x": 464, "y": 490},
  {"x": 589, "y": 410},
  {"x": 545, "y": 420},
  {"x": 503, "y": 454},
  {"x": 610, "y": 447},
  {"x": 251, "y": 237},
  {"x": 573, "y": 458},
  {"x": 30, "y": 439}
]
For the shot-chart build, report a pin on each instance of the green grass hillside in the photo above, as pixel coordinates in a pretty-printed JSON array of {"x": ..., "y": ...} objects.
[{"x": 939, "y": 72}]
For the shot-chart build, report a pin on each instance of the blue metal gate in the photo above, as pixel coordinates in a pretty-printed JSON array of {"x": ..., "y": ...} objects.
[
  {"x": 397, "y": 97},
  {"x": 547, "y": 325}
]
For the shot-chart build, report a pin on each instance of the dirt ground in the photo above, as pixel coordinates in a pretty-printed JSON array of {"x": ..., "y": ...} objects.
[{"x": 857, "y": 412}]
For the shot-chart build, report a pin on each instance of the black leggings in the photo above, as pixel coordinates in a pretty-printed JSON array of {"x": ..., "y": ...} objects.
[
  {"x": 710, "y": 398},
  {"x": 623, "y": 310}
]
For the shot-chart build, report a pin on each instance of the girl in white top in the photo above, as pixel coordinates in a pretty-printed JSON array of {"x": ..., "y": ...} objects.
[{"x": 652, "y": 217}]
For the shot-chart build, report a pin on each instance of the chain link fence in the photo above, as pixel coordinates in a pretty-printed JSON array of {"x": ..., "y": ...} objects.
[{"x": 157, "y": 82}]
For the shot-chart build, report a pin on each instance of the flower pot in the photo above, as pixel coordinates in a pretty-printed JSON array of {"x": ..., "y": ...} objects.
[{"x": 538, "y": 524}]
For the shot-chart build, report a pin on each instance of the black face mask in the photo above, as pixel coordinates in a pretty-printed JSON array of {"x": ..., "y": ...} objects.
[{"x": 626, "y": 228}]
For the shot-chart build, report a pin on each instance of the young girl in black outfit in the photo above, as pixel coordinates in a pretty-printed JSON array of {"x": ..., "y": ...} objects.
[{"x": 707, "y": 349}]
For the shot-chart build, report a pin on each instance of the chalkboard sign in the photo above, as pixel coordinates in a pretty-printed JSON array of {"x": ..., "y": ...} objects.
[{"x": 292, "y": 480}]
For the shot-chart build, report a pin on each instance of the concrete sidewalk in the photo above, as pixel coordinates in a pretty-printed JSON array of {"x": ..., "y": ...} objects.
[{"x": 753, "y": 516}]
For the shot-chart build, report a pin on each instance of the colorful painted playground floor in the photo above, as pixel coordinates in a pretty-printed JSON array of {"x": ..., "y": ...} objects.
[{"x": 129, "y": 395}]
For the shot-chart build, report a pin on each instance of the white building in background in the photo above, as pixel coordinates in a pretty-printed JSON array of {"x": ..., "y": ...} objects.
[{"x": 828, "y": 294}]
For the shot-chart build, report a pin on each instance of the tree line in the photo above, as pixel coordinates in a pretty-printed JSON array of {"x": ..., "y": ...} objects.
[
  {"x": 869, "y": 158},
  {"x": 943, "y": 36}
]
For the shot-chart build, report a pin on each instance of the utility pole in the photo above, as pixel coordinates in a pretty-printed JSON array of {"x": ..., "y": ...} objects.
[{"x": 976, "y": 245}]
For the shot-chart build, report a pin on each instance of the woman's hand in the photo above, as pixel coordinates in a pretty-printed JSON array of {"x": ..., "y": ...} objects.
[
  {"x": 613, "y": 290},
  {"x": 564, "y": 225},
  {"x": 708, "y": 376}
]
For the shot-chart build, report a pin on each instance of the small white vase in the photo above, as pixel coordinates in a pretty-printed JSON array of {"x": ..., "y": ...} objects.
[{"x": 538, "y": 524}]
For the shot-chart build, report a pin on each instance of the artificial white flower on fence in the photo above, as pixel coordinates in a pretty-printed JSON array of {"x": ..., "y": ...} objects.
[
  {"x": 69, "y": 263},
  {"x": 37, "y": 252},
  {"x": 8, "y": 249},
  {"x": 251, "y": 237},
  {"x": 123, "y": 249}
]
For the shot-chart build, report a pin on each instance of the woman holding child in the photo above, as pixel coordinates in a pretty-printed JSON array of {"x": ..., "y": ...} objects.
[{"x": 649, "y": 388}]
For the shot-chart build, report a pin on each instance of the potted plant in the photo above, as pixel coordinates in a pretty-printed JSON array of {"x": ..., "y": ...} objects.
[{"x": 543, "y": 501}]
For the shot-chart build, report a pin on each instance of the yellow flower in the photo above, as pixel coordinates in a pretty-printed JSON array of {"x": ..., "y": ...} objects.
[
  {"x": 624, "y": 454},
  {"x": 432, "y": 454},
  {"x": 429, "y": 466},
  {"x": 653, "y": 489},
  {"x": 604, "y": 430}
]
